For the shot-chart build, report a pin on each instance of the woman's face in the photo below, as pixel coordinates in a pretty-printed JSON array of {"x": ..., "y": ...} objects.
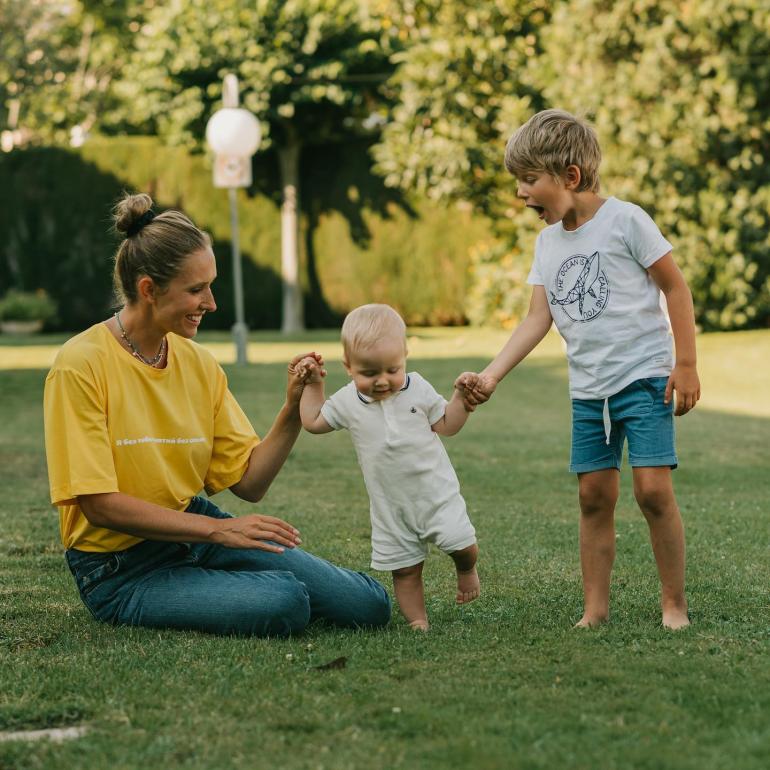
[{"x": 188, "y": 296}]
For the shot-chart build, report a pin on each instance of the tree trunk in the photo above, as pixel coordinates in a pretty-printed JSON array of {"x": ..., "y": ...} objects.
[{"x": 292, "y": 316}]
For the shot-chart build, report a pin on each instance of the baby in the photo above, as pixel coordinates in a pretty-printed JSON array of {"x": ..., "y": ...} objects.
[{"x": 393, "y": 418}]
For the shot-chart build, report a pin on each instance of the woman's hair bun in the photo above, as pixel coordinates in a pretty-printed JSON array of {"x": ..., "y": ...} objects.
[{"x": 128, "y": 210}]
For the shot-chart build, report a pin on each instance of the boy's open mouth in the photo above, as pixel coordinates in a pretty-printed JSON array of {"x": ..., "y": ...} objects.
[{"x": 538, "y": 209}]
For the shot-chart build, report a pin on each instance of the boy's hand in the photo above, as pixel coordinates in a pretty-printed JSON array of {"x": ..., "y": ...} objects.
[
  {"x": 475, "y": 388},
  {"x": 464, "y": 386},
  {"x": 684, "y": 380}
]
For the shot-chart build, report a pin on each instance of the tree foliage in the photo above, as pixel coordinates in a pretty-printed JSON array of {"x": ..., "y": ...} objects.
[
  {"x": 680, "y": 95},
  {"x": 60, "y": 62},
  {"x": 460, "y": 85},
  {"x": 308, "y": 68}
]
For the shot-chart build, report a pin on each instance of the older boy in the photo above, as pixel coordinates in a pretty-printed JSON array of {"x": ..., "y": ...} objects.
[
  {"x": 599, "y": 268},
  {"x": 394, "y": 418}
]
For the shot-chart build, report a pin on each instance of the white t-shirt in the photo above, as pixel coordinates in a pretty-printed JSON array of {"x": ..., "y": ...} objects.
[{"x": 603, "y": 302}]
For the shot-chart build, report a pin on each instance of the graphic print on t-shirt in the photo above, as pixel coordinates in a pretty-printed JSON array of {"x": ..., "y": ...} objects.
[{"x": 581, "y": 287}]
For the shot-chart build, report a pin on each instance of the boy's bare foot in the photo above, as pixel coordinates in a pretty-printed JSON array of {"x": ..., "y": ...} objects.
[
  {"x": 591, "y": 621},
  {"x": 468, "y": 586},
  {"x": 419, "y": 625},
  {"x": 675, "y": 618}
]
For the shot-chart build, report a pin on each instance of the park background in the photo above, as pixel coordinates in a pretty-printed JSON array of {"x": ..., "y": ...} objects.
[{"x": 390, "y": 119}]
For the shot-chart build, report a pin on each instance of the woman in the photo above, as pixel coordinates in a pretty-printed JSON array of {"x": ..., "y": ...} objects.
[{"x": 138, "y": 420}]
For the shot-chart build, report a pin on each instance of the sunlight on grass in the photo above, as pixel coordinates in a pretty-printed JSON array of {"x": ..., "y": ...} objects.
[
  {"x": 734, "y": 367},
  {"x": 735, "y": 372},
  {"x": 271, "y": 348}
]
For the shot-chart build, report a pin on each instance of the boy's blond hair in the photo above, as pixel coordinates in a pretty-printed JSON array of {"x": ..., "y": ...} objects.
[
  {"x": 367, "y": 324},
  {"x": 552, "y": 140}
]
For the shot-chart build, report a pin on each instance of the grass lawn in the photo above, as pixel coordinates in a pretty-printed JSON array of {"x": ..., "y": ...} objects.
[{"x": 502, "y": 683}]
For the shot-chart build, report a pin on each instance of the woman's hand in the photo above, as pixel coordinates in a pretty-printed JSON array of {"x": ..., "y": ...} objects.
[
  {"x": 253, "y": 531},
  {"x": 299, "y": 373},
  {"x": 309, "y": 370}
]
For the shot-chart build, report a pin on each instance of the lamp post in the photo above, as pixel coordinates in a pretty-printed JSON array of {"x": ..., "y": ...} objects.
[{"x": 233, "y": 134}]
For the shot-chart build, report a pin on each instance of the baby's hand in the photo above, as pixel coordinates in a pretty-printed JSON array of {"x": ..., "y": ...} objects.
[
  {"x": 300, "y": 373},
  {"x": 475, "y": 388},
  {"x": 465, "y": 384},
  {"x": 310, "y": 369}
]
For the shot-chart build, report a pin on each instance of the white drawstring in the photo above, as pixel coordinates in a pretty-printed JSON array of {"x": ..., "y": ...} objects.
[{"x": 606, "y": 419}]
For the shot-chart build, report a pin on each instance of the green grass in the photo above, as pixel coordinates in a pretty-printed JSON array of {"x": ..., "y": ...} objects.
[{"x": 502, "y": 683}]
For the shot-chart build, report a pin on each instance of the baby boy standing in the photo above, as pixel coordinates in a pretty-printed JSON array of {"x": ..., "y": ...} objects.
[{"x": 394, "y": 418}]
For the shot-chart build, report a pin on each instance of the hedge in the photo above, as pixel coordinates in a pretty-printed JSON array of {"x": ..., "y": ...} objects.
[{"x": 359, "y": 241}]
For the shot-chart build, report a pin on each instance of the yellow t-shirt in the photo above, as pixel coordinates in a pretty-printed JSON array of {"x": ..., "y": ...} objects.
[{"x": 114, "y": 424}]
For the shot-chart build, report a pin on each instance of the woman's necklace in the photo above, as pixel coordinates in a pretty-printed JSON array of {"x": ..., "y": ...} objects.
[{"x": 155, "y": 360}]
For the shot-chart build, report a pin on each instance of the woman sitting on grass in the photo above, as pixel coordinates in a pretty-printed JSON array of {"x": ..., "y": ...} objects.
[{"x": 139, "y": 420}]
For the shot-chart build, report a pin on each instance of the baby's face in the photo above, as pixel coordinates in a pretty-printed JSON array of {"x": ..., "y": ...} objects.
[{"x": 379, "y": 371}]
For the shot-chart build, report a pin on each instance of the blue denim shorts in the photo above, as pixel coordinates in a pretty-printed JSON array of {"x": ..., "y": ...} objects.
[{"x": 637, "y": 413}]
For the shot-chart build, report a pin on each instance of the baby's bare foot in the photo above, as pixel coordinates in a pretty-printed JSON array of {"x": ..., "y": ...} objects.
[
  {"x": 419, "y": 625},
  {"x": 675, "y": 618},
  {"x": 468, "y": 586}
]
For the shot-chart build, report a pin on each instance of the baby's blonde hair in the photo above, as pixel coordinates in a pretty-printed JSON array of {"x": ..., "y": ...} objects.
[
  {"x": 367, "y": 324},
  {"x": 552, "y": 140}
]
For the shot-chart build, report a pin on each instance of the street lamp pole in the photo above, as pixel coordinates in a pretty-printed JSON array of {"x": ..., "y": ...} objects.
[
  {"x": 240, "y": 330},
  {"x": 233, "y": 133}
]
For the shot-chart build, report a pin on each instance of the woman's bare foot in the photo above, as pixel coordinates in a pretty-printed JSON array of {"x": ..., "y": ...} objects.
[
  {"x": 468, "y": 586},
  {"x": 419, "y": 625}
]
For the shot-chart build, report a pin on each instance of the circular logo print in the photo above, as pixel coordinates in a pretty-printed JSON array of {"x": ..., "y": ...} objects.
[{"x": 581, "y": 287}]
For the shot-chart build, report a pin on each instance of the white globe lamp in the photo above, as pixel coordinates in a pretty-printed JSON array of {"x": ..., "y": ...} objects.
[
  {"x": 234, "y": 135},
  {"x": 233, "y": 131}
]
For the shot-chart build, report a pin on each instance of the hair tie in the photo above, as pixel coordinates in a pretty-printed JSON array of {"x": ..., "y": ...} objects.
[{"x": 143, "y": 220}]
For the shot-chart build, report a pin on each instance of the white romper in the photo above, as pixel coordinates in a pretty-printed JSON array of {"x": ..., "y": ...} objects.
[{"x": 413, "y": 490}]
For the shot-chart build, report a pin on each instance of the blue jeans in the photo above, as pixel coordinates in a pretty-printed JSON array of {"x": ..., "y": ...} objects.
[{"x": 219, "y": 590}]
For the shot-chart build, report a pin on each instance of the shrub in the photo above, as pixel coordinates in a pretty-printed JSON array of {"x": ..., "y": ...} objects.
[
  {"x": 498, "y": 293},
  {"x": 27, "y": 306}
]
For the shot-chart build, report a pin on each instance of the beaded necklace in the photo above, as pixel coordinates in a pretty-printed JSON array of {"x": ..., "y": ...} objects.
[{"x": 155, "y": 360}]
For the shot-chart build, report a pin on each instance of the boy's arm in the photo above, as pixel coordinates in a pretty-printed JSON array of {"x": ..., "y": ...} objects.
[
  {"x": 684, "y": 377},
  {"x": 521, "y": 343},
  {"x": 312, "y": 397},
  {"x": 455, "y": 414}
]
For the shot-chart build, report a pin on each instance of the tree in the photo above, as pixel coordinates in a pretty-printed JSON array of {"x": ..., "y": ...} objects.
[
  {"x": 60, "y": 58},
  {"x": 460, "y": 86},
  {"x": 680, "y": 95},
  {"x": 309, "y": 69}
]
